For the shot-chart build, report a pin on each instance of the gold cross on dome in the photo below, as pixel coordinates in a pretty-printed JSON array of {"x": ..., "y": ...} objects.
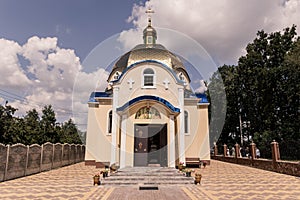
[{"x": 149, "y": 12}]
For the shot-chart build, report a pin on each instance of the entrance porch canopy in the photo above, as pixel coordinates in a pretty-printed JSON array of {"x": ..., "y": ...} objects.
[{"x": 172, "y": 109}]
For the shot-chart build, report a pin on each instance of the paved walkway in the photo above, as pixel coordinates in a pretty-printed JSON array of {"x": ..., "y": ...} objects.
[{"x": 219, "y": 181}]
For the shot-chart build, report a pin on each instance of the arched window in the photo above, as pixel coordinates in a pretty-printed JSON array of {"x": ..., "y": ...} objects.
[
  {"x": 109, "y": 127},
  {"x": 148, "y": 78},
  {"x": 186, "y": 122}
]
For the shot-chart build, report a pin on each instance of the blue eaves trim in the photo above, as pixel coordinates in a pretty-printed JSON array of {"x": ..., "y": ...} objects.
[
  {"x": 149, "y": 61},
  {"x": 97, "y": 94},
  {"x": 149, "y": 97},
  {"x": 203, "y": 97}
]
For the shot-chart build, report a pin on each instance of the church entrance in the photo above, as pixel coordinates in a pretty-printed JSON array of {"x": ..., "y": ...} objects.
[{"x": 150, "y": 144}]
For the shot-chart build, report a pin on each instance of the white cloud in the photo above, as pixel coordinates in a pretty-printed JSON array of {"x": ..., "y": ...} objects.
[
  {"x": 46, "y": 78},
  {"x": 202, "y": 88},
  {"x": 223, "y": 27},
  {"x": 10, "y": 69}
]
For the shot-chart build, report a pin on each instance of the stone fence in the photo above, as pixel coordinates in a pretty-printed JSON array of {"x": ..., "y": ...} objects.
[
  {"x": 276, "y": 165},
  {"x": 19, "y": 160}
]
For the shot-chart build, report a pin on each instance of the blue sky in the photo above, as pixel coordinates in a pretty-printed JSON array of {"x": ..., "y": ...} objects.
[
  {"x": 78, "y": 24},
  {"x": 56, "y": 52}
]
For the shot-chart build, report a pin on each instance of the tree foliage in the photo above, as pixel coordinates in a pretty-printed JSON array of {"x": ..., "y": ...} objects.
[
  {"x": 33, "y": 129},
  {"x": 262, "y": 94}
]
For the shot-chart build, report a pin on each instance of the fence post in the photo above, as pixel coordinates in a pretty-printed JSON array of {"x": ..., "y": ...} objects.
[
  {"x": 41, "y": 162},
  {"x": 253, "y": 150},
  {"x": 225, "y": 150},
  {"x": 215, "y": 150},
  {"x": 275, "y": 154},
  {"x": 26, "y": 164},
  {"x": 52, "y": 156},
  {"x": 277, "y": 150},
  {"x": 7, "y": 159},
  {"x": 62, "y": 154},
  {"x": 237, "y": 150}
]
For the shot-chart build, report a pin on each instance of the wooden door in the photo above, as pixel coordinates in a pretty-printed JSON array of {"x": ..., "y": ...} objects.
[{"x": 140, "y": 145}]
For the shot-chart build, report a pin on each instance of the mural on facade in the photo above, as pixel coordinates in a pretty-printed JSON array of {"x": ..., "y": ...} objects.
[{"x": 147, "y": 113}]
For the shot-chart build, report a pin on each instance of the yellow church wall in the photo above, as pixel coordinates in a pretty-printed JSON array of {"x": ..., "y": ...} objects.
[
  {"x": 197, "y": 142},
  {"x": 97, "y": 141}
]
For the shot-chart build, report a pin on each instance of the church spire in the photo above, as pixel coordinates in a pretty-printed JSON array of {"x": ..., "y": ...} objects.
[
  {"x": 149, "y": 34},
  {"x": 149, "y": 12}
]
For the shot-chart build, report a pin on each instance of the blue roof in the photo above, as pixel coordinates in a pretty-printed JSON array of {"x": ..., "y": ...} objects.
[
  {"x": 203, "y": 97},
  {"x": 148, "y": 97},
  {"x": 97, "y": 94}
]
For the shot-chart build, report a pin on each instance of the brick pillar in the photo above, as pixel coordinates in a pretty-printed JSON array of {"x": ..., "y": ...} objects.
[
  {"x": 237, "y": 150},
  {"x": 225, "y": 150},
  {"x": 253, "y": 150},
  {"x": 215, "y": 150},
  {"x": 275, "y": 154},
  {"x": 275, "y": 151}
]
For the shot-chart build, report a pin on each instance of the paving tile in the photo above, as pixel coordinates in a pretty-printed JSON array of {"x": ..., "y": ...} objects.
[{"x": 219, "y": 181}]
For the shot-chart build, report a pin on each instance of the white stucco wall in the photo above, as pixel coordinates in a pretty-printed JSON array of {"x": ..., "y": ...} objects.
[
  {"x": 136, "y": 74},
  {"x": 97, "y": 141}
]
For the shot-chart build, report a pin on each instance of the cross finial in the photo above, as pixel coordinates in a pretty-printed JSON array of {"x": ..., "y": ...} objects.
[
  {"x": 166, "y": 83},
  {"x": 130, "y": 82},
  {"x": 149, "y": 12}
]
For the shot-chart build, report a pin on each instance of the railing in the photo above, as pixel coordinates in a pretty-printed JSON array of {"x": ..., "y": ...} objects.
[
  {"x": 276, "y": 165},
  {"x": 19, "y": 160}
]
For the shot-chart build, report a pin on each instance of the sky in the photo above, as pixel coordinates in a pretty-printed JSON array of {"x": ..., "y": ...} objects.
[{"x": 57, "y": 52}]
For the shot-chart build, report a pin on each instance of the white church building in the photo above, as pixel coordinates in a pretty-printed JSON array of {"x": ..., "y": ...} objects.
[{"x": 148, "y": 115}]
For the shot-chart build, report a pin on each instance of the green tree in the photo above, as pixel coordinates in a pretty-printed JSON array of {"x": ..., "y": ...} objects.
[
  {"x": 264, "y": 90},
  {"x": 32, "y": 127},
  {"x": 217, "y": 108},
  {"x": 7, "y": 125},
  {"x": 287, "y": 104},
  {"x": 48, "y": 126},
  {"x": 69, "y": 133}
]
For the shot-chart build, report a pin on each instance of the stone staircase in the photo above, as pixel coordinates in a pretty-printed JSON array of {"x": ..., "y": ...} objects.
[{"x": 147, "y": 176}]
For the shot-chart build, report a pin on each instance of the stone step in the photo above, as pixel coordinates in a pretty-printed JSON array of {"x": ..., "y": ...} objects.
[
  {"x": 147, "y": 176},
  {"x": 161, "y": 182},
  {"x": 145, "y": 183},
  {"x": 147, "y": 170}
]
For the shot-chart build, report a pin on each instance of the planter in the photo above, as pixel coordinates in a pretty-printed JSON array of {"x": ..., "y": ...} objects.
[
  {"x": 105, "y": 174},
  {"x": 113, "y": 168},
  {"x": 198, "y": 178},
  {"x": 180, "y": 167},
  {"x": 96, "y": 180},
  {"x": 188, "y": 174}
]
